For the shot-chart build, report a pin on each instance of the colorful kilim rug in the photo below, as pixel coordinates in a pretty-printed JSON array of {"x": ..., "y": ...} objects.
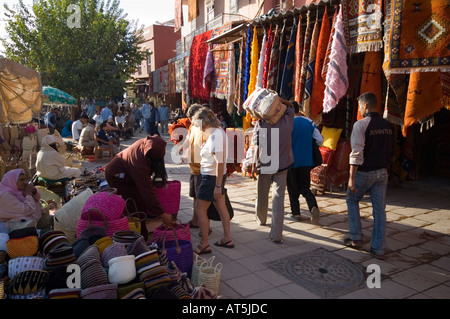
[
  {"x": 337, "y": 78},
  {"x": 362, "y": 24},
  {"x": 298, "y": 59},
  {"x": 318, "y": 83},
  {"x": 420, "y": 36},
  {"x": 287, "y": 80},
  {"x": 310, "y": 71},
  {"x": 445, "y": 79},
  {"x": 273, "y": 66},
  {"x": 221, "y": 64},
  {"x": 305, "y": 57},
  {"x": 371, "y": 77},
  {"x": 424, "y": 97},
  {"x": 197, "y": 58}
]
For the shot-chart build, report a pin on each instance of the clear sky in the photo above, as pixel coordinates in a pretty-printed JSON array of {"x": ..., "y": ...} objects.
[{"x": 147, "y": 12}]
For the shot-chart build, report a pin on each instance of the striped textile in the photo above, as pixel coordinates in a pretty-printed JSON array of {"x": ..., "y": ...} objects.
[
  {"x": 337, "y": 80},
  {"x": 305, "y": 57},
  {"x": 319, "y": 83},
  {"x": 238, "y": 97},
  {"x": 282, "y": 59},
  {"x": 274, "y": 56},
  {"x": 248, "y": 51},
  {"x": 287, "y": 83},
  {"x": 298, "y": 60},
  {"x": 310, "y": 71},
  {"x": 267, "y": 57},
  {"x": 326, "y": 60},
  {"x": 254, "y": 62},
  {"x": 262, "y": 56}
]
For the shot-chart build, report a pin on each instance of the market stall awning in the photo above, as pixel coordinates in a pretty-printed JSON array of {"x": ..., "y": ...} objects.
[
  {"x": 20, "y": 92},
  {"x": 54, "y": 96}
]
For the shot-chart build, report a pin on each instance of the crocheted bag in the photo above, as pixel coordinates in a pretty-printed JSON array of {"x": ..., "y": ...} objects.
[{"x": 107, "y": 202}]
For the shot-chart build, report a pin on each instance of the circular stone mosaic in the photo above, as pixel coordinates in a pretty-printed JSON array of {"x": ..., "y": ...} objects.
[{"x": 321, "y": 272}]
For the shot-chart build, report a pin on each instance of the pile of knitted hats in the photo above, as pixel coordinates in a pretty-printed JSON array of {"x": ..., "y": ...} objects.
[{"x": 95, "y": 266}]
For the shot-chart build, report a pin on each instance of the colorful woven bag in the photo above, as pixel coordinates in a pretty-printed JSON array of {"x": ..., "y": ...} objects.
[
  {"x": 170, "y": 196},
  {"x": 182, "y": 232},
  {"x": 107, "y": 202},
  {"x": 111, "y": 226},
  {"x": 178, "y": 251},
  {"x": 134, "y": 218}
]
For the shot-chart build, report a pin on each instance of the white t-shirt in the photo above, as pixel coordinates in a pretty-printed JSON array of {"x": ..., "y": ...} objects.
[
  {"x": 77, "y": 126},
  {"x": 216, "y": 143}
]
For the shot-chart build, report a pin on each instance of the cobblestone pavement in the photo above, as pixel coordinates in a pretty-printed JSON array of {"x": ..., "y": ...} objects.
[{"x": 417, "y": 263}]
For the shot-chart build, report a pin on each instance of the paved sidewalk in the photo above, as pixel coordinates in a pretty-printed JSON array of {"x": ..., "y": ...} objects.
[{"x": 417, "y": 263}]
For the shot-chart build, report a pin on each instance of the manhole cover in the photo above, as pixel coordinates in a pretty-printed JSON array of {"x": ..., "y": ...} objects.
[{"x": 320, "y": 271}]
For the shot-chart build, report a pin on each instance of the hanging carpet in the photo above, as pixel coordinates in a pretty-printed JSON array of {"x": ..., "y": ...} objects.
[
  {"x": 362, "y": 24},
  {"x": 420, "y": 36}
]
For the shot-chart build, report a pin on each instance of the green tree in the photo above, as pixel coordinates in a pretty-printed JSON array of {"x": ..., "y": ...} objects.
[{"x": 87, "y": 50}]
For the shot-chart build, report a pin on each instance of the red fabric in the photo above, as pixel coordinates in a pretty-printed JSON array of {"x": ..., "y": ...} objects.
[
  {"x": 327, "y": 155},
  {"x": 342, "y": 155},
  {"x": 318, "y": 178},
  {"x": 337, "y": 177},
  {"x": 318, "y": 87},
  {"x": 197, "y": 59}
]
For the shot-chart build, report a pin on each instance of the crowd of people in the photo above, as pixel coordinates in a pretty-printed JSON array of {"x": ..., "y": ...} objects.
[{"x": 134, "y": 170}]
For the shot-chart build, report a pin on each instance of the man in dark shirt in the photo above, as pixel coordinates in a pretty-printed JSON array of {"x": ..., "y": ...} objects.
[{"x": 372, "y": 142}]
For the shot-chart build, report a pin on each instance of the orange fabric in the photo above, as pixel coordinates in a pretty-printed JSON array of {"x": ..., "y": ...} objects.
[
  {"x": 424, "y": 97},
  {"x": 371, "y": 77},
  {"x": 318, "y": 87}
]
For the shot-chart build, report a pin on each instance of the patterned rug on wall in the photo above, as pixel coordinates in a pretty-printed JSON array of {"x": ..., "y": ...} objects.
[{"x": 322, "y": 272}]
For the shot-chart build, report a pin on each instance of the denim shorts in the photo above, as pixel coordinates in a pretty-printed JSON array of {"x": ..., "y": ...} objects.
[{"x": 206, "y": 189}]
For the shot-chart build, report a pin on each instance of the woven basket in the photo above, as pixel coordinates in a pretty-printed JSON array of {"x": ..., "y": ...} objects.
[
  {"x": 70, "y": 212},
  {"x": 170, "y": 196},
  {"x": 108, "y": 202},
  {"x": 178, "y": 251},
  {"x": 181, "y": 231},
  {"x": 134, "y": 218},
  {"x": 198, "y": 261},
  {"x": 210, "y": 276},
  {"x": 71, "y": 234},
  {"x": 111, "y": 226}
]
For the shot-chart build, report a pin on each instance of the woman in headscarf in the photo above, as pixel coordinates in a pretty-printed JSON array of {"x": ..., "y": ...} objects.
[
  {"x": 133, "y": 172},
  {"x": 19, "y": 200},
  {"x": 67, "y": 130},
  {"x": 50, "y": 164}
]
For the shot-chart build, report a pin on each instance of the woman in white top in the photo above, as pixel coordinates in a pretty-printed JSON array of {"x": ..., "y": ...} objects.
[{"x": 213, "y": 171}]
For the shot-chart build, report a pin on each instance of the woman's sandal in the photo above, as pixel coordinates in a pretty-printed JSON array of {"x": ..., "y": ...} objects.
[
  {"x": 228, "y": 244},
  {"x": 202, "y": 250}
]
